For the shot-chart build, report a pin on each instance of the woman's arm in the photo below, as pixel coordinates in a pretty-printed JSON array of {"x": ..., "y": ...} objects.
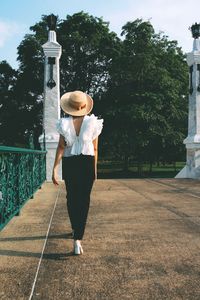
[
  {"x": 95, "y": 143},
  {"x": 58, "y": 157}
]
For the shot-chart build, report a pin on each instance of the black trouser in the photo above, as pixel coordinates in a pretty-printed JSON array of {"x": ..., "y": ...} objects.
[{"x": 78, "y": 174}]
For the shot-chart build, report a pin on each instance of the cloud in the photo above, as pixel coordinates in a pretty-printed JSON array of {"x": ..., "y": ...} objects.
[{"x": 8, "y": 29}]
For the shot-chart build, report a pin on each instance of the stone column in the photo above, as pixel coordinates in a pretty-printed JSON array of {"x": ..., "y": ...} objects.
[
  {"x": 192, "y": 141},
  {"x": 51, "y": 113}
]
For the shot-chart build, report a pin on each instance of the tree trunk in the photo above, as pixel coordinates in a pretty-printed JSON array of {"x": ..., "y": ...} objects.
[
  {"x": 139, "y": 168},
  {"x": 126, "y": 163},
  {"x": 150, "y": 167}
]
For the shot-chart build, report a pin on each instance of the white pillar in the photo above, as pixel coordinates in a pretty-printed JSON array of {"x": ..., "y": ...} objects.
[
  {"x": 52, "y": 52},
  {"x": 192, "y": 141}
]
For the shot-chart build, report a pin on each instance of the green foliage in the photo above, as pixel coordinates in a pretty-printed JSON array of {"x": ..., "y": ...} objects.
[
  {"x": 8, "y": 104},
  {"x": 139, "y": 84},
  {"x": 147, "y": 93},
  {"x": 88, "y": 49}
]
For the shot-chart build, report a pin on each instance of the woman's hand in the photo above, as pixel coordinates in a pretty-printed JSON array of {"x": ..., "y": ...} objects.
[
  {"x": 55, "y": 177},
  {"x": 95, "y": 144},
  {"x": 59, "y": 154}
]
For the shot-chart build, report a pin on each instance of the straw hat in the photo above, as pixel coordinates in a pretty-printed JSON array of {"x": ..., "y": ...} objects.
[{"x": 76, "y": 103}]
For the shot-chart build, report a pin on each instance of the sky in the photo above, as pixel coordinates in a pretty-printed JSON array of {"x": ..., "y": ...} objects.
[{"x": 173, "y": 17}]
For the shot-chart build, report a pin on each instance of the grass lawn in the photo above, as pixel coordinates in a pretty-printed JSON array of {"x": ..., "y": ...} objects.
[{"x": 109, "y": 169}]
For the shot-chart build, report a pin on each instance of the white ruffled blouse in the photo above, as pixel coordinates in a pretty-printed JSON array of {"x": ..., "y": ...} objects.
[{"x": 91, "y": 127}]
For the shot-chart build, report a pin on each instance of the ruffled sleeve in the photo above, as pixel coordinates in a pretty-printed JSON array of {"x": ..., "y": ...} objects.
[
  {"x": 59, "y": 127},
  {"x": 97, "y": 128},
  {"x": 63, "y": 127}
]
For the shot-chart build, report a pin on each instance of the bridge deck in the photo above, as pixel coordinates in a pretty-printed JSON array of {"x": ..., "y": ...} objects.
[{"x": 142, "y": 241}]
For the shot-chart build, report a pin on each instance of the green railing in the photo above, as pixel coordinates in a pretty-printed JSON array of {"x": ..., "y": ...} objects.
[{"x": 22, "y": 172}]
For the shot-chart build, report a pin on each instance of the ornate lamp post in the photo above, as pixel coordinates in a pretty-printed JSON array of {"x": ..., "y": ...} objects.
[
  {"x": 192, "y": 141},
  {"x": 195, "y": 28},
  {"x": 52, "y": 52},
  {"x": 51, "y": 21}
]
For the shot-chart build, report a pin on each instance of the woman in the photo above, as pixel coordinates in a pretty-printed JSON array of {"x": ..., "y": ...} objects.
[{"x": 78, "y": 149}]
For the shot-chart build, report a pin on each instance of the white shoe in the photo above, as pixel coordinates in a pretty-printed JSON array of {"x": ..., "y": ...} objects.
[{"x": 77, "y": 248}]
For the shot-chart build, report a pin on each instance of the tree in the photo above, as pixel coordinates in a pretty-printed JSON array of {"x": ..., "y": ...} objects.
[
  {"x": 8, "y": 104},
  {"x": 29, "y": 87},
  {"x": 138, "y": 83},
  {"x": 88, "y": 48},
  {"x": 21, "y": 95},
  {"x": 147, "y": 88}
]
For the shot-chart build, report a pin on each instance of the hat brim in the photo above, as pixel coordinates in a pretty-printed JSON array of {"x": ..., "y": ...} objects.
[{"x": 64, "y": 103}]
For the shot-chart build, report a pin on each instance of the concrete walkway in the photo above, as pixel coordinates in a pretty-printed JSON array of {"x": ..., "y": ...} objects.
[{"x": 142, "y": 241}]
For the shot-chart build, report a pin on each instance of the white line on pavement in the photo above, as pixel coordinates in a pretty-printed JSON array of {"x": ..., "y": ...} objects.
[{"x": 38, "y": 267}]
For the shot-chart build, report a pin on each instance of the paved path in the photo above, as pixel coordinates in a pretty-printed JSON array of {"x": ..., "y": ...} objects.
[{"x": 142, "y": 241}]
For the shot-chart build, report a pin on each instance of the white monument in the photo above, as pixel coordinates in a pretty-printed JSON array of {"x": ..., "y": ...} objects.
[
  {"x": 51, "y": 113},
  {"x": 192, "y": 141}
]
